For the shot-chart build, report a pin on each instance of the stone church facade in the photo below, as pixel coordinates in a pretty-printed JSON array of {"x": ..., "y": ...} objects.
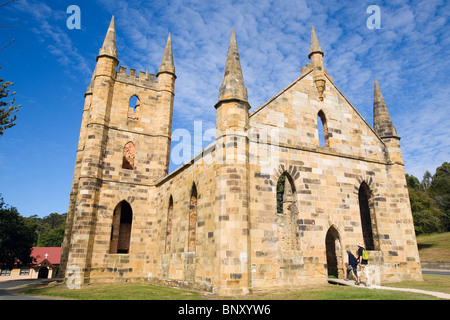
[{"x": 266, "y": 206}]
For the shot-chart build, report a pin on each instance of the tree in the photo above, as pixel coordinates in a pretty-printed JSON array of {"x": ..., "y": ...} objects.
[
  {"x": 16, "y": 237},
  {"x": 412, "y": 182},
  {"x": 440, "y": 189},
  {"x": 49, "y": 229},
  {"x": 52, "y": 238},
  {"x": 426, "y": 181},
  {"x": 427, "y": 215},
  {"x": 430, "y": 200},
  {"x": 7, "y": 108},
  {"x": 1, "y": 5}
]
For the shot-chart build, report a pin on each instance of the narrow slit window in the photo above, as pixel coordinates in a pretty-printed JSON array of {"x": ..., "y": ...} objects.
[
  {"x": 169, "y": 226},
  {"x": 192, "y": 219},
  {"x": 128, "y": 156},
  {"x": 322, "y": 129}
]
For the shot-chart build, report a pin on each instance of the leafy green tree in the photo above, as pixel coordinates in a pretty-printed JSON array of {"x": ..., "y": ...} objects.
[
  {"x": 412, "y": 182},
  {"x": 16, "y": 237},
  {"x": 427, "y": 216},
  {"x": 426, "y": 181},
  {"x": 430, "y": 200},
  {"x": 7, "y": 108},
  {"x": 49, "y": 229},
  {"x": 52, "y": 238},
  {"x": 440, "y": 189}
]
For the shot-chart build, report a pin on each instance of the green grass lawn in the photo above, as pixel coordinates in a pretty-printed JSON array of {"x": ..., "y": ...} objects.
[
  {"x": 430, "y": 283},
  {"x": 322, "y": 292},
  {"x": 434, "y": 247},
  {"x": 116, "y": 292}
]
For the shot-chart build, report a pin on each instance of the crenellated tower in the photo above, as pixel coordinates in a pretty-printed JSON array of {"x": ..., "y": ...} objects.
[{"x": 124, "y": 146}]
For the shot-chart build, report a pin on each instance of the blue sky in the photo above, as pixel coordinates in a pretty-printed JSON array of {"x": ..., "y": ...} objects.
[{"x": 51, "y": 67}]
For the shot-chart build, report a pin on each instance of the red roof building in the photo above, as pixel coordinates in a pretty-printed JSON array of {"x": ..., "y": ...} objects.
[
  {"x": 45, "y": 263},
  {"x": 51, "y": 254}
]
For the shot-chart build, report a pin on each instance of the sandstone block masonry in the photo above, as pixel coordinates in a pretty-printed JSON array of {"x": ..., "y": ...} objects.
[{"x": 267, "y": 205}]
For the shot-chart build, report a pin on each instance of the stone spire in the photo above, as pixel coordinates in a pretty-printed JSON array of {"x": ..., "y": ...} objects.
[
  {"x": 109, "y": 45},
  {"x": 315, "y": 47},
  {"x": 90, "y": 88},
  {"x": 167, "y": 64},
  {"x": 316, "y": 57},
  {"x": 382, "y": 122},
  {"x": 233, "y": 87}
]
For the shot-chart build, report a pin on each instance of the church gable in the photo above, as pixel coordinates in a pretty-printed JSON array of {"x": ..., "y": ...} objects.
[{"x": 296, "y": 116}]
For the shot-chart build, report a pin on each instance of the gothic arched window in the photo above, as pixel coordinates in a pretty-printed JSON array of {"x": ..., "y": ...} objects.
[
  {"x": 121, "y": 228},
  {"x": 368, "y": 223},
  {"x": 133, "y": 108},
  {"x": 287, "y": 213}
]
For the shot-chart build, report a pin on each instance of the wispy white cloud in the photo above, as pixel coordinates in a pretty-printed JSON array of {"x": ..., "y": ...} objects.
[
  {"x": 46, "y": 23},
  {"x": 407, "y": 55}
]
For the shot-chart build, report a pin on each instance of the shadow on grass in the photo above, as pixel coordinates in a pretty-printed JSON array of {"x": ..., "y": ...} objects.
[{"x": 424, "y": 245}]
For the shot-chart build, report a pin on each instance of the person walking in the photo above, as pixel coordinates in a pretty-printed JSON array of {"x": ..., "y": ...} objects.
[
  {"x": 352, "y": 264},
  {"x": 363, "y": 259}
]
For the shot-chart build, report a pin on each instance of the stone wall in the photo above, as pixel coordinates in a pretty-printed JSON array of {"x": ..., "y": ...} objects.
[{"x": 439, "y": 265}]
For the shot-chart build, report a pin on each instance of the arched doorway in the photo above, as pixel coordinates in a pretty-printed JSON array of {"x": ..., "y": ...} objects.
[
  {"x": 43, "y": 273},
  {"x": 334, "y": 253},
  {"x": 121, "y": 228}
]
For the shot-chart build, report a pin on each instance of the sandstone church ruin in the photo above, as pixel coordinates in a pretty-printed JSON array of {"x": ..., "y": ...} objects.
[{"x": 266, "y": 206}]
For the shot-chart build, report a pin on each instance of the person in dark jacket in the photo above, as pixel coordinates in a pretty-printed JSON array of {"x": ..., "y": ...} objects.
[{"x": 352, "y": 264}]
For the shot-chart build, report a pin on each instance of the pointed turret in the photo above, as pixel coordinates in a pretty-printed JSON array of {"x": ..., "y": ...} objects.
[
  {"x": 232, "y": 155},
  {"x": 232, "y": 87},
  {"x": 315, "y": 47},
  {"x": 167, "y": 64},
  {"x": 109, "y": 44},
  {"x": 232, "y": 106},
  {"x": 382, "y": 122},
  {"x": 91, "y": 84},
  {"x": 316, "y": 57}
]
